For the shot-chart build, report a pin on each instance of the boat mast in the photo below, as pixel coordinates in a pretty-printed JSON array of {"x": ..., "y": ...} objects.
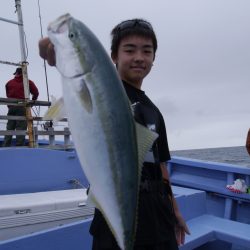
[{"x": 25, "y": 72}]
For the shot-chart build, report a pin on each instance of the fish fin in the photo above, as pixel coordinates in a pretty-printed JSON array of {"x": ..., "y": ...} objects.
[
  {"x": 91, "y": 200},
  {"x": 56, "y": 111},
  {"x": 86, "y": 97},
  {"x": 53, "y": 99},
  {"x": 145, "y": 140}
]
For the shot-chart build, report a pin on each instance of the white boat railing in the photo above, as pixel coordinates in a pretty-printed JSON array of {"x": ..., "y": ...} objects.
[{"x": 48, "y": 131}]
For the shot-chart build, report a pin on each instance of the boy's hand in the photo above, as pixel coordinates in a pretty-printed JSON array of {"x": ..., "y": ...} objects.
[{"x": 46, "y": 51}]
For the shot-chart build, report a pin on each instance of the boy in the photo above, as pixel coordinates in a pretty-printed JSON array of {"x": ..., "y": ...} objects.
[{"x": 160, "y": 224}]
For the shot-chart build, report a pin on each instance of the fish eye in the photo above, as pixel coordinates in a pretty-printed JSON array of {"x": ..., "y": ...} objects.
[{"x": 71, "y": 35}]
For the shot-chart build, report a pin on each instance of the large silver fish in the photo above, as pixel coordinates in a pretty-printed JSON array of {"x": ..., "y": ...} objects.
[{"x": 110, "y": 146}]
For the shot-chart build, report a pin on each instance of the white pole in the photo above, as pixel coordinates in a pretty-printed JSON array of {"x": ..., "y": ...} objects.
[
  {"x": 23, "y": 51},
  {"x": 24, "y": 71}
]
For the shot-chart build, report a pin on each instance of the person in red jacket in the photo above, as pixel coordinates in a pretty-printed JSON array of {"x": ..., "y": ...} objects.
[{"x": 14, "y": 89}]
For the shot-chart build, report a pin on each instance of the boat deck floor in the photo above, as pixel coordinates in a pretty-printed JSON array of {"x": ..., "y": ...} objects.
[{"x": 207, "y": 231}]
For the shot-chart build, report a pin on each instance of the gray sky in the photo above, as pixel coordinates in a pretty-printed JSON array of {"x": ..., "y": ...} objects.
[{"x": 201, "y": 76}]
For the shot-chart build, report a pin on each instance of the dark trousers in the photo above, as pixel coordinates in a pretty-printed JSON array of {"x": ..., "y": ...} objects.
[
  {"x": 156, "y": 222},
  {"x": 170, "y": 244},
  {"x": 15, "y": 125}
]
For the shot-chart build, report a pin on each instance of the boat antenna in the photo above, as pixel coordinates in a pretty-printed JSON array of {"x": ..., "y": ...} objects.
[{"x": 44, "y": 63}]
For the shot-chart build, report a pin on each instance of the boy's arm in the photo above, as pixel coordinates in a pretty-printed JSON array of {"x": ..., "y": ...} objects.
[
  {"x": 248, "y": 142},
  {"x": 181, "y": 226}
]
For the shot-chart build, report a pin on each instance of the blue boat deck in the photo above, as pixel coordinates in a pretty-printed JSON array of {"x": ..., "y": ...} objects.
[
  {"x": 206, "y": 230},
  {"x": 217, "y": 218},
  {"x": 209, "y": 231},
  {"x": 39, "y": 170}
]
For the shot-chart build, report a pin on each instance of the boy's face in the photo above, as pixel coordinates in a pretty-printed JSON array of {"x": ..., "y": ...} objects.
[{"x": 134, "y": 59}]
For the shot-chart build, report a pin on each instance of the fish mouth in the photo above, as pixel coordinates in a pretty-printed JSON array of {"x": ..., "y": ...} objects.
[
  {"x": 81, "y": 75},
  {"x": 60, "y": 25},
  {"x": 58, "y": 31}
]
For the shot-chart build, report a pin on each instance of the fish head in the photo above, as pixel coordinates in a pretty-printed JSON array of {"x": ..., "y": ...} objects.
[{"x": 71, "y": 50}]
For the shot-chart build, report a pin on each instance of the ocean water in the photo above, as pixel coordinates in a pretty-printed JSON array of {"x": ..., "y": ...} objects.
[{"x": 229, "y": 155}]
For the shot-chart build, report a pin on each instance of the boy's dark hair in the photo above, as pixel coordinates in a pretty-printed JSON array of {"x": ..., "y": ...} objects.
[{"x": 131, "y": 27}]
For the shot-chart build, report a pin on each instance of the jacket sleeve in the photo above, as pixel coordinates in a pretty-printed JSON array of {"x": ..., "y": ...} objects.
[
  {"x": 33, "y": 90},
  {"x": 7, "y": 90}
]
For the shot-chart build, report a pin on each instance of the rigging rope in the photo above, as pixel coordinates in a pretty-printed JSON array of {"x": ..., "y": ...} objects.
[{"x": 44, "y": 63}]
